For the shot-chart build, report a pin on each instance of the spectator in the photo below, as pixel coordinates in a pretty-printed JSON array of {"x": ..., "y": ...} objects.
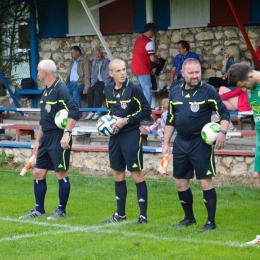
[
  {"x": 257, "y": 43},
  {"x": 52, "y": 144},
  {"x": 243, "y": 76},
  {"x": 143, "y": 56},
  {"x": 126, "y": 102},
  {"x": 190, "y": 109},
  {"x": 184, "y": 53},
  {"x": 232, "y": 56},
  {"x": 234, "y": 99},
  {"x": 78, "y": 74},
  {"x": 99, "y": 79},
  {"x": 160, "y": 123}
]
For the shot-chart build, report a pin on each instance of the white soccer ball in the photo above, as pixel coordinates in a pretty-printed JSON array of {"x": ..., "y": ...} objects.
[
  {"x": 105, "y": 124},
  {"x": 209, "y": 132},
  {"x": 61, "y": 118}
]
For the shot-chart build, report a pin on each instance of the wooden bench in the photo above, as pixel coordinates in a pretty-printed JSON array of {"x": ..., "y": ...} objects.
[
  {"x": 241, "y": 116},
  {"x": 244, "y": 115},
  {"x": 22, "y": 129},
  {"x": 156, "y": 114},
  {"x": 28, "y": 93}
]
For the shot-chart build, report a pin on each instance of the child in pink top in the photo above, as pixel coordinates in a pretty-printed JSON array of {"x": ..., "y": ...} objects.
[{"x": 160, "y": 123}]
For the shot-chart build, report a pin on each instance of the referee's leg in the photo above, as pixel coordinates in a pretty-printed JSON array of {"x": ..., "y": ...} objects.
[
  {"x": 64, "y": 189},
  {"x": 120, "y": 191},
  {"x": 142, "y": 195},
  {"x": 210, "y": 200}
]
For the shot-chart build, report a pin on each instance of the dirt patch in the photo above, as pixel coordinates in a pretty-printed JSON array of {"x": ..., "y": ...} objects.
[
  {"x": 220, "y": 180},
  {"x": 224, "y": 180}
]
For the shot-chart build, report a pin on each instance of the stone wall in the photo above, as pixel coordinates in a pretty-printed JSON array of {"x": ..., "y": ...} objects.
[
  {"x": 91, "y": 162},
  {"x": 208, "y": 42}
]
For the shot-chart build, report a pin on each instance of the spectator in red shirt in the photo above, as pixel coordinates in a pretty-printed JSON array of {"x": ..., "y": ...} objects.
[
  {"x": 234, "y": 100},
  {"x": 143, "y": 56}
]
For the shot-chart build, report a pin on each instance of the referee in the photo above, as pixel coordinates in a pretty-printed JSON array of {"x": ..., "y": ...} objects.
[
  {"x": 52, "y": 145},
  {"x": 191, "y": 105},
  {"x": 126, "y": 102}
]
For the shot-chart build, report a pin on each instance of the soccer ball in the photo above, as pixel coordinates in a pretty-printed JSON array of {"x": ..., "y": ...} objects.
[
  {"x": 61, "y": 118},
  {"x": 209, "y": 132},
  {"x": 105, "y": 124}
]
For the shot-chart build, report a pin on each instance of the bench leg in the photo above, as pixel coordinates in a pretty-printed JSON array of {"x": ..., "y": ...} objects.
[
  {"x": 1, "y": 117},
  {"x": 240, "y": 123},
  {"x": 252, "y": 123},
  {"x": 144, "y": 139}
]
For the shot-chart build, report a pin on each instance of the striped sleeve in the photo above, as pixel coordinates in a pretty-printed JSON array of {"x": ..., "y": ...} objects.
[{"x": 150, "y": 48}]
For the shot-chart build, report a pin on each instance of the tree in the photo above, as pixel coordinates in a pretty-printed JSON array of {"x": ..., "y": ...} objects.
[{"x": 12, "y": 14}]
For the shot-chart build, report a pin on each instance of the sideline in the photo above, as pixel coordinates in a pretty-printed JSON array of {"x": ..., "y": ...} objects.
[{"x": 110, "y": 229}]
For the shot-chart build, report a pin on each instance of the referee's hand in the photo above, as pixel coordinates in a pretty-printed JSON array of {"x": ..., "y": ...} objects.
[
  {"x": 65, "y": 141},
  {"x": 220, "y": 141},
  {"x": 119, "y": 124}
]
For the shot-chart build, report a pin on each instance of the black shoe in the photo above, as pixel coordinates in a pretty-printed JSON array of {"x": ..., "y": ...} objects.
[
  {"x": 115, "y": 218},
  {"x": 185, "y": 222},
  {"x": 209, "y": 226},
  {"x": 141, "y": 220}
]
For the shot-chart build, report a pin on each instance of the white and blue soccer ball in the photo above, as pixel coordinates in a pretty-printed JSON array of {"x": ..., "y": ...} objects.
[
  {"x": 61, "y": 118},
  {"x": 209, "y": 133},
  {"x": 105, "y": 124}
]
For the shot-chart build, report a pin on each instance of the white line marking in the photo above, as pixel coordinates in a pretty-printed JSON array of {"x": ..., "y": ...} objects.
[{"x": 110, "y": 229}]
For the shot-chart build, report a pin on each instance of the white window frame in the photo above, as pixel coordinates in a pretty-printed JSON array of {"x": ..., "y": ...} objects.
[{"x": 189, "y": 13}]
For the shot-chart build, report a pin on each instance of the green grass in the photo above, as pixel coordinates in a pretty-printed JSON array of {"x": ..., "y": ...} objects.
[{"x": 81, "y": 235}]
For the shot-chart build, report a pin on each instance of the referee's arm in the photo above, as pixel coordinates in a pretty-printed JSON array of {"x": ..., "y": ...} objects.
[{"x": 167, "y": 138}]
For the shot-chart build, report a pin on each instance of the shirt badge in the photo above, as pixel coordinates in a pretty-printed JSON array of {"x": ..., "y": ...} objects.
[
  {"x": 194, "y": 107},
  {"x": 124, "y": 105},
  {"x": 258, "y": 93},
  {"x": 48, "y": 108}
]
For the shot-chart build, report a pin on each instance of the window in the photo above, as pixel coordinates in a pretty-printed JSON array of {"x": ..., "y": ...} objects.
[{"x": 189, "y": 13}]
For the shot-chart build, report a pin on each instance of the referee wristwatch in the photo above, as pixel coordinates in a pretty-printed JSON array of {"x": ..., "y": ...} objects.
[
  {"x": 223, "y": 132},
  {"x": 67, "y": 131}
]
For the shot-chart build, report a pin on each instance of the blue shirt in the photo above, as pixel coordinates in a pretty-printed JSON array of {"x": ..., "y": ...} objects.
[
  {"x": 179, "y": 59},
  {"x": 74, "y": 76}
]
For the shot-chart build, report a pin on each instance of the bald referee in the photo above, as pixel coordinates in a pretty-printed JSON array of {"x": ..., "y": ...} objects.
[{"x": 126, "y": 102}]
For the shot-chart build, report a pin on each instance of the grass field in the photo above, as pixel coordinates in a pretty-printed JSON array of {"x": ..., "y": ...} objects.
[{"x": 81, "y": 235}]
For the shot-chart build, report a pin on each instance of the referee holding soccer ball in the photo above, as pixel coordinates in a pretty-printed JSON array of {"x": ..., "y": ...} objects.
[
  {"x": 52, "y": 144},
  {"x": 191, "y": 106},
  {"x": 126, "y": 102}
]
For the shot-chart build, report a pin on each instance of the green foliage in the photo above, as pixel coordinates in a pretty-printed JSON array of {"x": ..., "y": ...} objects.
[
  {"x": 81, "y": 235},
  {"x": 12, "y": 37},
  {"x": 4, "y": 159}
]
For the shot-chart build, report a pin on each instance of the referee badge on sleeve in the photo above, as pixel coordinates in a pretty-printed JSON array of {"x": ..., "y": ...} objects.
[{"x": 194, "y": 107}]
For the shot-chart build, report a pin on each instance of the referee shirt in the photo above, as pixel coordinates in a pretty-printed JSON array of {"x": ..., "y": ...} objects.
[
  {"x": 54, "y": 99},
  {"x": 190, "y": 110},
  {"x": 129, "y": 101}
]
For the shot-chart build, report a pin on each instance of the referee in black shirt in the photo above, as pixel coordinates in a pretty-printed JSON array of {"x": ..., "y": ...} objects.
[
  {"x": 191, "y": 106},
  {"x": 52, "y": 144},
  {"x": 126, "y": 102}
]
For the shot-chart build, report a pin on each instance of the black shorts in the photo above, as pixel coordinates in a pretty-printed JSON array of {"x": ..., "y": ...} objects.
[
  {"x": 50, "y": 154},
  {"x": 125, "y": 149},
  {"x": 193, "y": 155}
]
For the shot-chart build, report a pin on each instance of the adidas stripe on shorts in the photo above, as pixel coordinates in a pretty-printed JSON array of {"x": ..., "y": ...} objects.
[
  {"x": 126, "y": 150},
  {"x": 50, "y": 154}
]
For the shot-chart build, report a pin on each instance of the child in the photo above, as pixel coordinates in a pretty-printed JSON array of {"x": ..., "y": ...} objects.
[{"x": 160, "y": 123}]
